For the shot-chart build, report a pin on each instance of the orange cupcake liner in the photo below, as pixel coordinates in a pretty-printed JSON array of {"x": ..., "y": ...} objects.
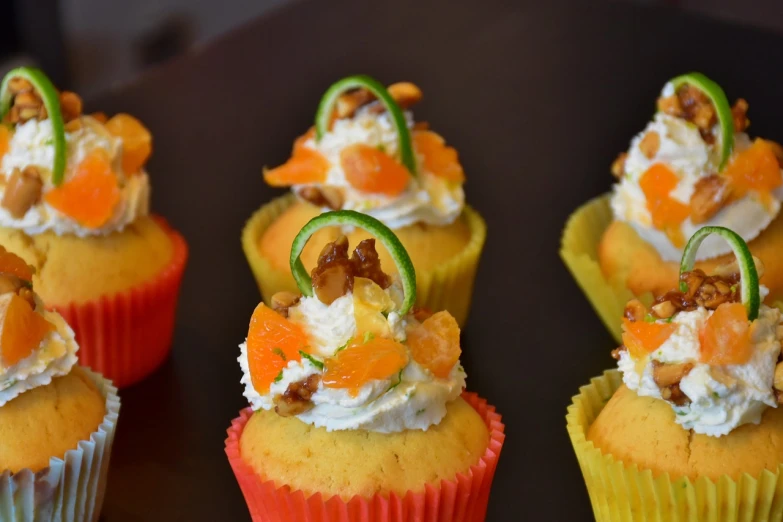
[
  {"x": 126, "y": 336},
  {"x": 463, "y": 499}
]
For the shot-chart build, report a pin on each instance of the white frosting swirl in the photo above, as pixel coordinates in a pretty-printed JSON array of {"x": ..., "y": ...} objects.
[
  {"x": 685, "y": 152},
  {"x": 414, "y": 399},
  {"x": 54, "y": 357},
  {"x": 721, "y": 397},
  {"x": 32, "y": 145},
  {"x": 427, "y": 198}
]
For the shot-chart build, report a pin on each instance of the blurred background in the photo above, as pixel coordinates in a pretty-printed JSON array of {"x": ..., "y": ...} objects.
[{"x": 88, "y": 45}]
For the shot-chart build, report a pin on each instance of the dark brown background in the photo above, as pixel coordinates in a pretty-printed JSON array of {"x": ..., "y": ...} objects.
[{"x": 537, "y": 98}]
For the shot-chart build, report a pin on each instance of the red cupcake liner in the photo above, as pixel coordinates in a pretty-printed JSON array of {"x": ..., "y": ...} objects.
[
  {"x": 126, "y": 336},
  {"x": 463, "y": 499}
]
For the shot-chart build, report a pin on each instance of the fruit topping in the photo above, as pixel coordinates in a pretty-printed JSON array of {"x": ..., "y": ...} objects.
[
  {"x": 642, "y": 338},
  {"x": 725, "y": 338},
  {"x": 755, "y": 168},
  {"x": 434, "y": 344},
  {"x": 438, "y": 159},
  {"x": 136, "y": 141},
  {"x": 371, "y": 170},
  {"x": 667, "y": 213},
  {"x": 360, "y": 362},
  {"x": 13, "y": 265},
  {"x": 23, "y": 330},
  {"x": 272, "y": 341}
]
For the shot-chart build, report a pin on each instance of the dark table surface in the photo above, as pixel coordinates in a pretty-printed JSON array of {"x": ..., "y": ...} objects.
[{"x": 538, "y": 97}]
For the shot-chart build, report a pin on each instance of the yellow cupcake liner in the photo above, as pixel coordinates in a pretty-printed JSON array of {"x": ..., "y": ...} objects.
[
  {"x": 448, "y": 287},
  {"x": 622, "y": 492},
  {"x": 579, "y": 251}
]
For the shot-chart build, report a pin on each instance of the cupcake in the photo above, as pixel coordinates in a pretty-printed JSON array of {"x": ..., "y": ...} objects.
[
  {"x": 74, "y": 204},
  {"x": 689, "y": 428},
  {"x": 366, "y": 154},
  {"x": 692, "y": 166},
  {"x": 357, "y": 409},
  {"x": 57, "y": 419}
]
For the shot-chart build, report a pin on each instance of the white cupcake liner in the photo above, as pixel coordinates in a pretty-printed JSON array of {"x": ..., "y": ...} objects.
[{"x": 71, "y": 489}]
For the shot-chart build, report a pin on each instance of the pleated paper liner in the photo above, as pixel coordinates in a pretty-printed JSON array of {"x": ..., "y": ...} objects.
[
  {"x": 620, "y": 492},
  {"x": 71, "y": 489},
  {"x": 448, "y": 287},
  {"x": 126, "y": 336},
  {"x": 463, "y": 499},
  {"x": 579, "y": 251}
]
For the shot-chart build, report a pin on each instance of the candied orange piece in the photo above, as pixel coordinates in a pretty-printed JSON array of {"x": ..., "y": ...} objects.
[
  {"x": 369, "y": 169},
  {"x": 305, "y": 166},
  {"x": 91, "y": 195},
  {"x": 440, "y": 160},
  {"x": 14, "y": 265},
  {"x": 23, "y": 331},
  {"x": 5, "y": 140},
  {"x": 667, "y": 213},
  {"x": 369, "y": 302},
  {"x": 725, "y": 338},
  {"x": 360, "y": 362},
  {"x": 755, "y": 168},
  {"x": 136, "y": 141},
  {"x": 272, "y": 341},
  {"x": 642, "y": 338},
  {"x": 434, "y": 344}
]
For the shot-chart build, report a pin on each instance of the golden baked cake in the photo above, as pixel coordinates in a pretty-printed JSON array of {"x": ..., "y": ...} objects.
[
  {"x": 366, "y": 153},
  {"x": 693, "y": 165},
  {"x": 74, "y": 203},
  {"x": 50, "y": 409},
  {"x": 696, "y": 407},
  {"x": 357, "y": 395}
]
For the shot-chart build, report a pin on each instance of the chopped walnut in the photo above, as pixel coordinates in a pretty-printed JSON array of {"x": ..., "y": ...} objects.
[
  {"x": 367, "y": 264},
  {"x": 405, "y": 94},
  {"x": 666, "y": 375},
  {"x": 618, "y": 165},
  {"x": 296, "y": 399},
  {"x": 670, "y": 105},
  {"x": 328, "y": 197},
  {"x": 333, "y": 276},
  {"x": 26, "y": 105},
  {"x": 697, "y": 108},
  {"x": 617, "y": 351},
  {"x": 664, "y": 310},
  {"x": 70, "y": 105},
  {"x": 634, "y": 310},
  {"x": 739, "y": 113},
  {"x": 710, "y": 194},
  {"x": 675, "y": 395},
  {"x": 22, "y": 192},
  {"x": 282, "y": 301},
  {"x": 702, "y": 291},
  {"x": 650, "y": 144}
]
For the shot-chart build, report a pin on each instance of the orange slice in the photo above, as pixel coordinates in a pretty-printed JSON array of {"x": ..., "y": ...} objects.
[
  {"x": 434, "y": 344},
  {"x": 360, "y": 362},
  {"x": 755, "y": 168},
  {"x": 23, "y": 331},
  {"x": 14, "y": 265},
  {"x": 136, "y": 141},
  {"x": 5, "y": 140},
  {"x": 642, "y": 338},
  {"x": 272, "y": 341},
  {"x": 440, "y": 160},
  {"x": 91, "y": 195},
  {"x": 667, "y": 213},
  {"x": 306, "y": 166},
  {"x": 369, "y": 169},
  {"x": 725, "y": 338}
]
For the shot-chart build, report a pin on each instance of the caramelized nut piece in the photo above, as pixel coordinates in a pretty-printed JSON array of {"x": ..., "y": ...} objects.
[
  {"x": 618, "y": 165},
  {"x": 70, "y": 105},
  {"x": 17, "y": 85},
  {"x": 710, "y": 194},
  {"x": 282, "y": 301},
  {"x": 421, "y": 314},
  {"x": 22, "y": 192},
  {"x": 405, "y": 94},
  {"x": 296, "y": 399},
  {"x": 670, "y": 105},
  {"x": 666, "y": 375},
  {"x": 697, "y": 108},
  {"x": 322, "y": 197},
  {"x": 333, "y": 277},
  {"x": 739, "y": 113},
  {"x": 348, "y": 103},
  {"x": 664, "y": 310},
  {"x": 634, "y": 310},
  {"x": 650, "y": 144},
  {"x": 367, "y": 264},
  {"x": 617, "y": 351}
]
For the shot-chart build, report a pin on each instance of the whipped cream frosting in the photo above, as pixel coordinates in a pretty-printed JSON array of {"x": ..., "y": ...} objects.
[
  {"x": 413, "y": 399},
  {"x": 32, "y": 144},
  {"x": 54, "y": 357},
  {"x": 427, "y": 198},
  {"x": 684, "y": 151},
  {"x": 721, "y": 397}
]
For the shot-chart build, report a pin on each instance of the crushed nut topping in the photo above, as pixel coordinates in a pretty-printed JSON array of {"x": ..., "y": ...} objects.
[
  {"x": 618, "y": 165},
  {"x": 617, "y": 351},
  {"x": 282, "y": 301},
  {"x": 710, "y": 194},
  {"x": 650, "y": 144},
  {"x": 675, "y": 395},
  {"x": 405, "y": 94},
  {"x": 333, "y": 276},
  {"x": 22, "y": 191},
  {"x": 328, "y": 197},
  {"x": 692, "y": 105},
  {"x": 739, "y": 113},
  {"x": 634, "y": 310},
  {"x": 666, "y": 375},
  {"x": 296, "y": 399},
  {"x": 703, "y": 291},
  {"x": 27, "y": 105}
]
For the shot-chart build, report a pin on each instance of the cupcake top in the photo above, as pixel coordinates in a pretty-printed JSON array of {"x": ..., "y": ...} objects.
[
  {"x": 65, "y": 171},
  {"x": 365, "y": 153},
  {"x": 36, "y": 345},
  {"x": 693, "y": 166},
  {"x": 708, "y": 348},
  {"x": 352, "y": 352}
]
